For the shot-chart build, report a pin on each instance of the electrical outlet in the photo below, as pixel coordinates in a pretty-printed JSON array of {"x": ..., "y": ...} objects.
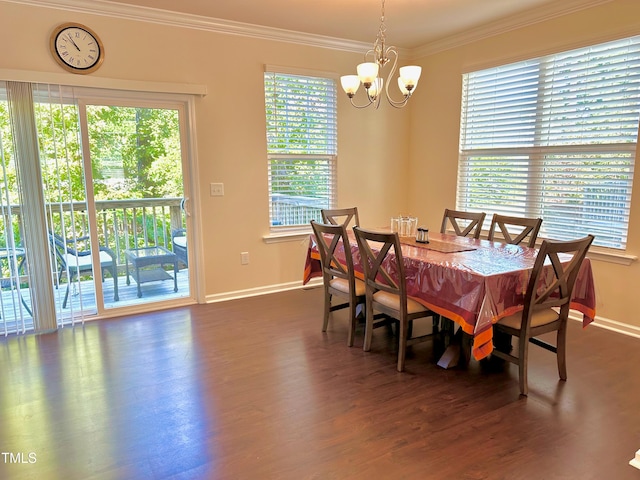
[
  {"x": 244, "y": 258},
  {"x": 217, "y": 189}
]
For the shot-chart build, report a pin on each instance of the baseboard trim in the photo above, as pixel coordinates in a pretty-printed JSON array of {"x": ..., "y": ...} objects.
[
  {"x": 254, "y": 292},
  {"x": 608, "y": 324}
]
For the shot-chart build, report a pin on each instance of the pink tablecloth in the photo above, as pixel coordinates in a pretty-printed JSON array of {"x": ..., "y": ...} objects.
[{"x": 472, "y": 282}]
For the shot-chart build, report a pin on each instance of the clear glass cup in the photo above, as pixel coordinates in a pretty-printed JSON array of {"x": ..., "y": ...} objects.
[
  {"x": 413, "y": 227},
  {"x": 404, "y": 226},
  {"x": 408, "y": 226}
]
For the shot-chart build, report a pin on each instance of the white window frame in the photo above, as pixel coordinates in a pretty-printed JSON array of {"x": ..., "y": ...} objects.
[
  {"x": 525, "y": 125},
  {"x": 316, "y": 154}
]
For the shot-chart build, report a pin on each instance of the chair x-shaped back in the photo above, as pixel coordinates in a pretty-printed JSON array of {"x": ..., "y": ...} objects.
[
  {"x": 475, "y": 220},
  {"x": 530, "y": 228}
]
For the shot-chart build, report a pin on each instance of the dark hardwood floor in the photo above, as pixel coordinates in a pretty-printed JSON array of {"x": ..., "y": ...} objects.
[{"x": 252, "y": 389}]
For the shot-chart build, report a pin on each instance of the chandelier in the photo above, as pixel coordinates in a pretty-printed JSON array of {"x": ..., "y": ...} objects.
[{"x": 369, "y": 74}]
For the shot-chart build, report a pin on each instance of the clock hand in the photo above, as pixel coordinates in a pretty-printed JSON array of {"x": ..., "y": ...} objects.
[{"x": 74, "y": 43}]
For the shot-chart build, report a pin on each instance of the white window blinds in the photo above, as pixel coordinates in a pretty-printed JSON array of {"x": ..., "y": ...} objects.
[
  {"x": 301, "y": 116},
  {"x": 554, "y": 137}
]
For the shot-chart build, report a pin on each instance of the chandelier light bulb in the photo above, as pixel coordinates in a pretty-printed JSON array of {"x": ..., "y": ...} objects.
[
  {"x": 367, "y": 72},
  {"x": 350, "y": 84},
  {"x": 410, "y": 76},
  {"x": 402, "y": 88},
  {"x": 375, "y": 89}
]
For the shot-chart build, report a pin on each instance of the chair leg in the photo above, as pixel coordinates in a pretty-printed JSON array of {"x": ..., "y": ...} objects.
[
  {"x": 435, "y": 321},
  {"x": 402, "y": 343},
  {"x": 368, "y": 329},
  {"x": 66, "y": 296},
  {"x": 447, "y": 329},
  {"x": 327, "y": 310},
  {"x": 466, "y": 348},
  {"x": 561, "y": 344},
  {"x": 114, "y": 274},
  {"x": 69, "y": 282},
  {"x": 502, "y": 342},
  {"x": 522, "y": 366},
  {"x": 352, "y": 322}
]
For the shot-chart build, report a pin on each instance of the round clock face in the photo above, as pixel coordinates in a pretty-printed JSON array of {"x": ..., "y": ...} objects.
[{"x": 76, "y": 48}]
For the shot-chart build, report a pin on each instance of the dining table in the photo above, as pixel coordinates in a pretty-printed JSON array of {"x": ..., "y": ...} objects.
[{"x": 474, "y": 282}]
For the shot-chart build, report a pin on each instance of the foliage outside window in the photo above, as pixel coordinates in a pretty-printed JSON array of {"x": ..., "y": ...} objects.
[
  {"x": 135, "y": 154},
  {"x": 301, "y": 147},
  {"x": 554, "y": 137}
]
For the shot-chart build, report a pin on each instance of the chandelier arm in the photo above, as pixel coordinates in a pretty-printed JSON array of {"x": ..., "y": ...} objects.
[
  {"x": 370, "y": 55},
  {"x": 361, "y": 106},
  {"x": 398, "y": 104}
]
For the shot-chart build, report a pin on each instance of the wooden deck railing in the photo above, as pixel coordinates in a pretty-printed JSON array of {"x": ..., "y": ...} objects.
[{"x": 121, "y": 224}]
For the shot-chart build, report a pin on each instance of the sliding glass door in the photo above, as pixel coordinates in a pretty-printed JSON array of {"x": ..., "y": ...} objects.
[
  {"x": 92, "y": 213},
  {"x": 135, "y": 157}
]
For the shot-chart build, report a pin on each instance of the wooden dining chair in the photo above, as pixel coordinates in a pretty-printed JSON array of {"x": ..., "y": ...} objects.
[
  {"x": 546, "y": 304},
  {"x": 341, "y": 216},
  {"x": 338, "y": 277},
  {"x": 386, "y": 291},
  {"x": 515, "y": 230},
  {"x": 463, "y": 223}
]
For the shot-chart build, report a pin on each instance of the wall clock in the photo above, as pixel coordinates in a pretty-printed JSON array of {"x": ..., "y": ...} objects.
[{"x": 76, "y": 48}]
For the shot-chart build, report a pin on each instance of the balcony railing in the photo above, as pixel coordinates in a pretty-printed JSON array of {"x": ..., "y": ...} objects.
[
  {"x": 121, "y": 224},
  {"x": 295, "y": 210}
]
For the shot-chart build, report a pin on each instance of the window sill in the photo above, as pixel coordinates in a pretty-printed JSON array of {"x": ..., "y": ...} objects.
[
  {"x": 287, "y": 235},
  {"x": 611, "y": 256}
]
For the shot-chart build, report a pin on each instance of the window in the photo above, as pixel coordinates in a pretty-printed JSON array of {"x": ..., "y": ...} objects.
[
  {"x": 301, "y": 147},
  {"x": 555, "y": 137}
]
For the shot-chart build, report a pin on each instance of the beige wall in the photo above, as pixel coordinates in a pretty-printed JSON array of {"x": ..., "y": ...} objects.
[
  {"x": 390, "y": 161},
  {"x": 435, "y": 118},
  {"x": 230, "y": 135}
]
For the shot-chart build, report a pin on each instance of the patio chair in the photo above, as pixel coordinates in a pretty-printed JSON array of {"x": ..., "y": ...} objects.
[
  {"x": 546, "y": 308},
  {"x": 340, "y": 216},
  {"x": 179, "y": 241},
  {"x": 386, "y": 290},
  {"x": 339, "y": 279},
  {"x": 463, "y": 223},
  {"x": 77, "y": 262},
  {"x": 515, "y": 230}
]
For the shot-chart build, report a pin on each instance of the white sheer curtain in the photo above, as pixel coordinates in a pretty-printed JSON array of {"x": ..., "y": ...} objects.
[
  {"x": 14, "y": 318},
  {"x": 40, "y": 152},
  {"x": 25, "y": 141},
  {"x": 65, "y": 199}
]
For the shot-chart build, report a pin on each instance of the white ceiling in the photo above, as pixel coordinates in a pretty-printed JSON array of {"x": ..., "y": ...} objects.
[{"x": 410, "y": 23}]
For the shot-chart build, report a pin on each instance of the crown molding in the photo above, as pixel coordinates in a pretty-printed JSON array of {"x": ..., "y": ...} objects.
[
  {"x": 513, "y": 22},
  {"x": 228, "y": 27},
  {"x": 185, "y": 20}
]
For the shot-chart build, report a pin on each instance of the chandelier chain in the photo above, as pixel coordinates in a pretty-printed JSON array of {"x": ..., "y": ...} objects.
[{"x": 379, "y": 47}]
